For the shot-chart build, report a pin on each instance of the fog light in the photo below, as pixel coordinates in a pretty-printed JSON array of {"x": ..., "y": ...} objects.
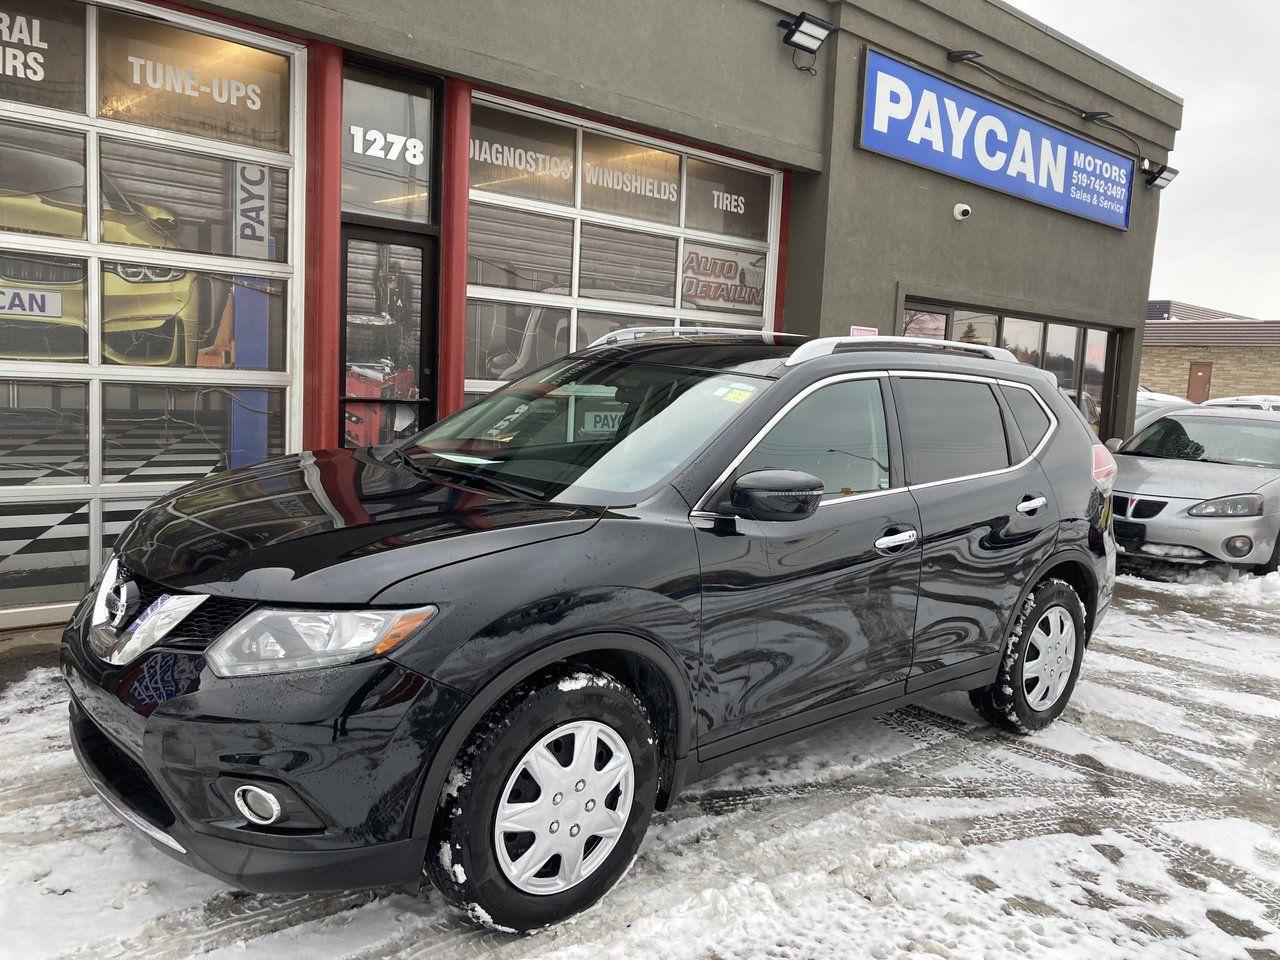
[
  {"x": 1237, "y": 546},
  {"x": 257, "y": 805}
]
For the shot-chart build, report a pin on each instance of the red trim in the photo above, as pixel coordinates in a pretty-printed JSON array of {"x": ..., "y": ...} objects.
[
  {"x": 453, "y": 246},
  {"x": 323, "y": 294},
  {"x": 784, "y": 239}
]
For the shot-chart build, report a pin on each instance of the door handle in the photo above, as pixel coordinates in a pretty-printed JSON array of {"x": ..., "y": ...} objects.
[
  {"x": 893, "y": 541},
  {"x": 1031, "y": 504}
]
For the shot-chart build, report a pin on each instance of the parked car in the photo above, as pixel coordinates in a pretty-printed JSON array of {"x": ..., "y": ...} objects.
[
  {"x": 1199, "y": 485},
  {"x": 1259, "y": 401},
  {"x": 492, "y": 651},
  {"x": 1149, "y": 400}
]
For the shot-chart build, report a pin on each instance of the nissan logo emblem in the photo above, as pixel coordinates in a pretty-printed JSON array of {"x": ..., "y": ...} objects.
[{"x": 120, "y": 602}]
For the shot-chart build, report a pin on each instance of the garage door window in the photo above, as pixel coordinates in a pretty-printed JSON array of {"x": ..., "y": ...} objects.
[
  {"x": 577, "y": 228},
  {"x": 147, "y": 292}
]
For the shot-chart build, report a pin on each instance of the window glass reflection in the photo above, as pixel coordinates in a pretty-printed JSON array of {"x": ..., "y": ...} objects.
[
  {"x": 42, "y": 308},
  {"x": 507, "y": 340},
  {"x": 386, "y": 147},
  {"x": 1061, "y": 345},
  {"x": 521, "y": 156},
  {"x": 368, "y": 424},
  {"x": 42, "y": 54},
  {"x": 41, "y": 180},
  {"x": 383, "y": 323},
  {"x": 626, "y": 265},
  {"x": 729, "y": 281},
  {"x": 630, "y": 179},
  {"x": 178, "y": 434},
  {"x": 173, "y": 200},
  {"x": 1094, "y": 393},
  {"x": 46, "y": 555},
  {"x": 970, "y": 327},
  {"x": 172, "y": 317},
  {"x": 1022, "y": 338},
  {"x": 518, "y": 250},
  {"x": 44, "y": 433},
  {"x": 927, "y": 324},
  {"x": 726, "y": 200}
]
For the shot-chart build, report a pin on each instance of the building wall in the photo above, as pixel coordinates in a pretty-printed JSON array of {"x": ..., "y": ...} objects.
[{"x": 1236, "y": 370}]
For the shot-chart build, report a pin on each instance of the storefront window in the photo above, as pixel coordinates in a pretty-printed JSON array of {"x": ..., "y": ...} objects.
[
  {"x": 924, "y": 323},
  {"x": 175, "y": 200},
  {"x": 518, "y": 250},
  {"x": 177, "y": 434},
  {"x": 617, "y": 221},
  {"x": 159, "y": 75},
  {"x": 507, "y": 340},
  {"x": 1061, "y": 345},
  {"x": 714, "y": 278},
  {"x": 970, "y": 327},
  {"x": 41, "y": 180},
  {"x": 170, "y": 317},
  {"x": 44, "y": 433},
  {"x": 726, "y": 200},
  {"x": 520, "y": 156},
  {"x": 386, "y": 150},
  {"x": 627, "y": 265},
  {"x": 102, "y": 426},
  {"x": 630, "y": 179},
  {"x": 42, "y": 308},
  {"x": 1094, "y": 398},
  {"x": 1022, "y": 338},
  {"x": 42, "y": 54}
]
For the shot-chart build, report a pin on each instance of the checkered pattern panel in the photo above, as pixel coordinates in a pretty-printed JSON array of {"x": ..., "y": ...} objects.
[
  {"x": 43, "y": 453},
  {"x": 44, "y": 553}
]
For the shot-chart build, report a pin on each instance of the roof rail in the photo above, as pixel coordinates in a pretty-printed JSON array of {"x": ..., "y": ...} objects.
[
  {"x": 813, "y": 349},
  {"x": 639, "y": 333}
]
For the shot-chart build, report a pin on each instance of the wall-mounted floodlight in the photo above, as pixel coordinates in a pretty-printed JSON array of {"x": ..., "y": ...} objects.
[
  {"x": 1159, "y": 175},
  {"x": 963, "y": 56},
  {"x": 1093, "y": 116},
  {"x": 806, "y": 32}
]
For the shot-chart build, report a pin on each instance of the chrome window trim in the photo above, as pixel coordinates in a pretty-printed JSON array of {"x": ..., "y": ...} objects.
[
  {"x": 701, "y": 513},
  {"x": 699, "y": 509}
]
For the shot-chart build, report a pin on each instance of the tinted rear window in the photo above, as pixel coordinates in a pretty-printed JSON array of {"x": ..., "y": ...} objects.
[
  {"x": 953, "y": 428},
  {"x": 1032, "y": 421}
]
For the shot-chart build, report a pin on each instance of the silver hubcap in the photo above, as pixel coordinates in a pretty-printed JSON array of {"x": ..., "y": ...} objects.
[
  {"x": 564, "y": 807},
  {"x": 1050, "y": 656}
]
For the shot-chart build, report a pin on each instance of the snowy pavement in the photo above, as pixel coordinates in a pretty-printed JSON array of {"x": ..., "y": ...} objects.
[{"x": 1143, "y": 824}]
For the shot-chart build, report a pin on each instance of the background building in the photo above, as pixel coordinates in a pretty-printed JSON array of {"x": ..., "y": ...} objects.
[
  {"x": 1202, "y": 354},
  {"x": 259, "y": 226}
]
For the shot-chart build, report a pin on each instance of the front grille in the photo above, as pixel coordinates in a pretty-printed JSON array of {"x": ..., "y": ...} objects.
[
  {"x": 1128, "y": 531},
  {"x": 1146, "y": 509},
  {"x": 1119, "y": 505},
  {"x": 36, "y": 339},
  {"x": 202, "y": 625},
  {"x": 18, "y": 269}
]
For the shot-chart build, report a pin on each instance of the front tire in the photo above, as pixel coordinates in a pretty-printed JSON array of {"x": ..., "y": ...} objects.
[
  {"x": 546, "y": 803},
  {"x": 1041, "y": 662}
]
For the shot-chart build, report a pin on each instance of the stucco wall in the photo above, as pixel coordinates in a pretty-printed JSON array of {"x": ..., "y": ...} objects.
[{"x": 1236, "y": 370}]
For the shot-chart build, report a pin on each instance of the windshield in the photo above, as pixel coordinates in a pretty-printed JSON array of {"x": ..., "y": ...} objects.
[
  {"x": 1254, "y": 443},
  {"x": 587, "y": 431}
]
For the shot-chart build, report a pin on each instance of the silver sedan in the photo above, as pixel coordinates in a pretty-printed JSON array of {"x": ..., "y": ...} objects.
[{"x": 1199, "y": 485}]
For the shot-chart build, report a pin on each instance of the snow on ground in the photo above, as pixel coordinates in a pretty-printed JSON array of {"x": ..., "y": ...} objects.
[{"x": 1142, "y": 824}]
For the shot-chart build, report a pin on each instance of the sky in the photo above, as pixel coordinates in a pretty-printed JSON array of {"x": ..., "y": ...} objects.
[{"x": 1218, "y": 243}]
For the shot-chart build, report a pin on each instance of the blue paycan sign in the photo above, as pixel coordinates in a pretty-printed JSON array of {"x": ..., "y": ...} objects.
[{"x": 925, "y": 120}]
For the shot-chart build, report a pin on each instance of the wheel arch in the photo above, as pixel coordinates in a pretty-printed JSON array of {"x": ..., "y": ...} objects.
[
  {"x": 645, "y": 666},
  {"x": 1077, "y": 570}
]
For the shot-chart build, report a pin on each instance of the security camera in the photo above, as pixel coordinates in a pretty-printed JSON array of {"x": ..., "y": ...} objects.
[{"x": 962, "y": 211}]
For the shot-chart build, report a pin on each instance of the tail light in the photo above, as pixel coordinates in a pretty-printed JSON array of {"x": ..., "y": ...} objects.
[{"x": 1104, "y": 469}]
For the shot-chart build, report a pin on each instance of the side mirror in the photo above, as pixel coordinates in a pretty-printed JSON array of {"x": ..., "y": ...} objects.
[
  {"x": 1114, "y": 444},
  {"x": 776, "y": 495}
]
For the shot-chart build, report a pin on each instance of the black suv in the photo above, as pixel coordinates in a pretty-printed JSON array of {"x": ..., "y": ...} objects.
[{"x": 490, "y": 652}]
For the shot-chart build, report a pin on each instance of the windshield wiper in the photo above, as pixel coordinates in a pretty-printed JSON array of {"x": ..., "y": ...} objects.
[{"x": 507, "y": 486}]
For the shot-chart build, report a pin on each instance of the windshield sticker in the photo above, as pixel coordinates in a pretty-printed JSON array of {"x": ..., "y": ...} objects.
[{"x": 734, "y": 392}]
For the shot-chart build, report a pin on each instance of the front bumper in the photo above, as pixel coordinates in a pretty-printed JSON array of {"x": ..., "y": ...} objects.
[
  {"x": 1175, "y": 536},
  {"x": 165, "y": 744}
]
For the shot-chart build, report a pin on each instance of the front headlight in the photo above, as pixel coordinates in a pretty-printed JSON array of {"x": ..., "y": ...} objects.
[
  {"x": 275, "y": 641},
  {"x": 1243, "y": 505},
  {"x": 100, "y": 615}
]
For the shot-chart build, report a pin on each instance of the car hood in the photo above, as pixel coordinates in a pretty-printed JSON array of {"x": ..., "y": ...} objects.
[
  {"x": 327, "y": 527},
  {"x": 1189, "y": 479}
]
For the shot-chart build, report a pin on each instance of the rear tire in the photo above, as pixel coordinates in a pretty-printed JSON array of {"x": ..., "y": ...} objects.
[
  {"x": 1041, "y": 662},
  {"x": 538, "y": 761}
]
